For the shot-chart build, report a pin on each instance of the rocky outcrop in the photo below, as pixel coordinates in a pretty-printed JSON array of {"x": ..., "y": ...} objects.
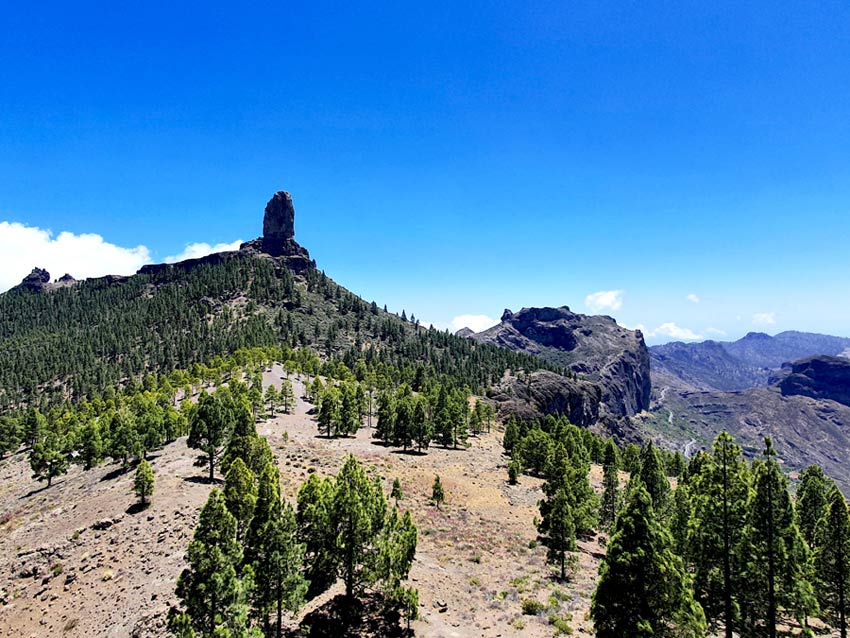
[
  {"x": 465, "y": 332},
  {"x": 592, "y": 348},
  {"x": 819, "y": 377},
  {"x": 545, "y": 392},
  {"x": 278, "y": 238},
  {"x": 36, "y": 280}
]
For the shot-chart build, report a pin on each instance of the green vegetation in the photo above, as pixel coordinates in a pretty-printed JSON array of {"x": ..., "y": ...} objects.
[
  {"x": 143, "y": 482},
  {"x": 438, "y": 495}
]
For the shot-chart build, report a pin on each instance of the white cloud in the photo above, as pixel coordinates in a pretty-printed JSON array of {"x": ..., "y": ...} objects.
[
  {"x": 764, "y": 318},
  {"x": 692, "y": 298},
  {"x": 476, "y": 323},
  {"x": 670, "y": 329},
  {"x": 202, "y": 249},
  {"x": 604, "y": 300},
  {"x": 716, "y": 331},
  {"x": 82, "y": 256}
]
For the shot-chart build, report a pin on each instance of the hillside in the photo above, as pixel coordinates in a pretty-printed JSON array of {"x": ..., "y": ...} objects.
[
  {"x": 592, "y": 348},
  {"x": 79, "y": 561},
  {"x": 67, "y": 341}
]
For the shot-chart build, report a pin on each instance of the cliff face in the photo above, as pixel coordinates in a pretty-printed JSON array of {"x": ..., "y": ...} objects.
[
  {"x": 595, "y": 348},
  {"x": 819, "y": 377}
]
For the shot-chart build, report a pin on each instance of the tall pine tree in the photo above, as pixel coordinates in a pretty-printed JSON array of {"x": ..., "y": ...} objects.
[
  {"x": 643, "y": 589},
  {"x": 832, "y": 561}
]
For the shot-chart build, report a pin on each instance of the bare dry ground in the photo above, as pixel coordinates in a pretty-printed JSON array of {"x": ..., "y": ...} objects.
[{"x": 76, "y": 561}]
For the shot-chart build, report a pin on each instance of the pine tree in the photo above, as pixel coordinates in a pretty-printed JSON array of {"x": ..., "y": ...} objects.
[
  {"x": 315, "y": 531},
  {"x": 404, "y": 419},
  {"x": 272, "y": 397},
  {"x": 209, "y": 428},
  {"x": 776, "y": 553},
  {"x": 643, "y": 589},
  {"x": 610, "y": 484},
  {"x": 511, "y": 435},
  {"x": 720, "y": 492},
  {"x": 10, "y": 434},
  {"x": 514, "y": 471},
  {"x": 438, "y": 495},
  {"x": 396, "y": 494},
  {"x": 278, "y": 565},
  {"x": 832, "y": 561},
  {"x": 329, "y": 410},
  {"x": 358, "y": 511},
  {"x": 812, "y": 497},
  {"x": 386, "y": 417},
  {"x": 240, "y": 495},
  {"x": 48, "y": 459},
  {"x": 349, "y": 413},
  {"x": 89, "y": 444},
  {"x": 654, "y": 479},
  {"x": 123, "y": 437},
  {"x": 287, "y": 396},
  {"x": 244, "y": 442},
  {"x": 143, "y": 482},
  {"x": 209, "y": 588},
  {"x": 560, "y": 534},
  {"x": 570, "y": 474},
  {"x": 423, "y": 431},
  {"x": 631, "y": 459}
]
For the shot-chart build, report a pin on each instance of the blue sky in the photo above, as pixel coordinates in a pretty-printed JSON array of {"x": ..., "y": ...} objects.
[{"x": 450, "y": 160}]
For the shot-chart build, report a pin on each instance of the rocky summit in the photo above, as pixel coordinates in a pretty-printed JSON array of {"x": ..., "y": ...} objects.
[
  {"x": 592, "y": 348},
  {"x": 278, "y": 238}
]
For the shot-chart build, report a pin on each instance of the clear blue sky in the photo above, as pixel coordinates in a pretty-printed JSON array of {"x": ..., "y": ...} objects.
[{"x": 459, "y": 159}]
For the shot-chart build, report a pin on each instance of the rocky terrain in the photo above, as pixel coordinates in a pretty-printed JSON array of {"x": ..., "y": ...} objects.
[
  {"x": 806, "y": 412},
  {"x": 78, "y": 560},
  {"x": 593, "y": 348}
]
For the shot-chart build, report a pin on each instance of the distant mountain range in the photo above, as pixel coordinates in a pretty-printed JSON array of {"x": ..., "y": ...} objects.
[
  {"x": 749, "y": 362},
  {"x": 793, "y": 387}
]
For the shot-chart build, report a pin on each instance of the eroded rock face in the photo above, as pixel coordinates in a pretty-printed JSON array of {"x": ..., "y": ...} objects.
[
  {"x": 278, "y": 238},
  {"x": 278, "y": 224},
  {"x": 594, "y": 348},
  {"x": 820, "y": 377},
  {"x": 36, "y": 280}
]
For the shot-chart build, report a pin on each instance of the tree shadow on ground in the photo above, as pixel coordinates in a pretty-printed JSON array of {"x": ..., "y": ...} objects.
[
  {"x": 410, "y": 452},
  {"x": 116, "y": 473},
  {"x": 203, "y": 480},
  {"x": 339, "y": 618},
  {"x": 137, "y": 508},
  {"x": 35, "y": 491}
]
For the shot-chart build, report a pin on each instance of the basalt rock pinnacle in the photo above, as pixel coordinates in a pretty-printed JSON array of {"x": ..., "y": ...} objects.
[{"x": 278, "y": 238}]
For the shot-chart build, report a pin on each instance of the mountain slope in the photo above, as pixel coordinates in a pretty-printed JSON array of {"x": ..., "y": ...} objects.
[
  {"x": 61, "y": 342},
  {"x": 594, "y": 348}
]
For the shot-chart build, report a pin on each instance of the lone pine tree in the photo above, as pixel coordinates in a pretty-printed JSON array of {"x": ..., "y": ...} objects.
[
  {"x": 438, "y": 495},
  {"x": 143, "y": 482},
  {"x": 209, "y": 428}
]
